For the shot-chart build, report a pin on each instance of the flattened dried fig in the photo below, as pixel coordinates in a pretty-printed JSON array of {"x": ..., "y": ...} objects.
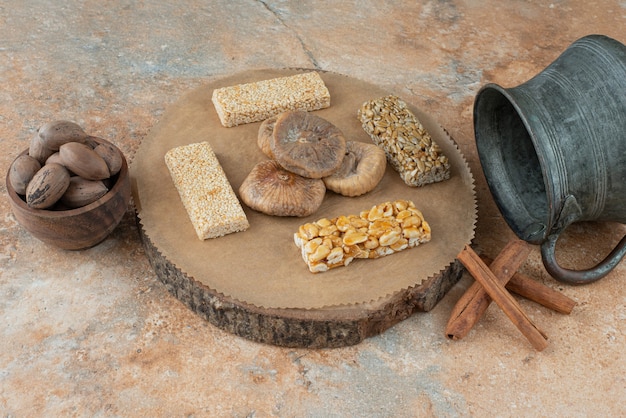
[
  {"x": 264, "y": 140},
  {"x": 307, "y": 144},
  {"x": 362, "y": 169},
  {"x": 272, "y": 190}
]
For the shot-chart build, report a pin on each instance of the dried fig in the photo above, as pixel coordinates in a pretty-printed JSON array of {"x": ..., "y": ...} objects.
[
  {"x": 47, "y": 186},
  {"x": 83, "y": 161},
  {"x": 307, "y": 144},
  {"x": 362, "y": 169},
  {"x": 22, "y": 171},
  {"x": 272, "y": 190},
  {"x": 264, "y": 139},
  {"x": 82, "y": 192},
  {"x": 56, "y": 133}
]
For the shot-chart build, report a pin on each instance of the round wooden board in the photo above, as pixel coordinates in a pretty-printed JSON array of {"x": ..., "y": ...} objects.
[{"x": 254, "y": 283}]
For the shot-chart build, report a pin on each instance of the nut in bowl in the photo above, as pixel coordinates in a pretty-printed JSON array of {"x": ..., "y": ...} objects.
[{"x": 75, "y": 228}]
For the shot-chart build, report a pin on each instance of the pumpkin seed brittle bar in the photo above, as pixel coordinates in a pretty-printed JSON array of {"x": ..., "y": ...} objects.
[{"x": 409, "y": 147}]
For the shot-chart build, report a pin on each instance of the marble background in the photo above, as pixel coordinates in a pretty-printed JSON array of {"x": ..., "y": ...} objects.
[{"x": 94, "y": 333}]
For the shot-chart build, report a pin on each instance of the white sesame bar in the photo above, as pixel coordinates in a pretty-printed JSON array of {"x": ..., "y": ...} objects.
[
  {"x": 206, "y": 193},
  {"x": 384, "y": 229},
  {"x": 257, "y": 101},
  {"x": 409, "y": 147}
]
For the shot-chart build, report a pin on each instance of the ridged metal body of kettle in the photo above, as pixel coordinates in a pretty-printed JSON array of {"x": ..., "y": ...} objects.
[{"x": 553, "y": 149}]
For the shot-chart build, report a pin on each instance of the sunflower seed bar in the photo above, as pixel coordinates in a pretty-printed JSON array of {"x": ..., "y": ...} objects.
[
  {"x": 206, "y": 193},
  {"x": 409, "y": 147},
  {"x": 384, "y": 229},
  {"x": 257, "y": 101}
]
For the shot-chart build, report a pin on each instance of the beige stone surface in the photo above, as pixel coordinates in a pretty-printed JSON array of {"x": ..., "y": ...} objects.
[{"x": 94, "y": 333}]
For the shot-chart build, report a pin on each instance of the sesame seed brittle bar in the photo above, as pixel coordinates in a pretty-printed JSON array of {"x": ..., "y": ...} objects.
[
  {"x": 204, "y": 190},
  {"x": 260, "y": 100}
]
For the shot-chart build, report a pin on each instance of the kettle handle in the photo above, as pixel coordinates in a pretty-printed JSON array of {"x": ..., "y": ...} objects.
[{"x": 579, "y": 276}]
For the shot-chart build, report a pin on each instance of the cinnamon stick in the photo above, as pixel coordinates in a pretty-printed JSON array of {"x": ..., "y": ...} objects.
[
  {"x": 530, "y": 289},
  {"x": 475, "y": 301},
  {"x": 496, "y": 290}
]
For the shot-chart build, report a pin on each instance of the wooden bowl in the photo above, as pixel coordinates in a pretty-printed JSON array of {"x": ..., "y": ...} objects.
[{"x": 79, "y": 228}]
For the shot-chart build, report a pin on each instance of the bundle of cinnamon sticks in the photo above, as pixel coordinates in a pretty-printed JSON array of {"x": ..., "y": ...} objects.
[{"x": 494, "y": 280}]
